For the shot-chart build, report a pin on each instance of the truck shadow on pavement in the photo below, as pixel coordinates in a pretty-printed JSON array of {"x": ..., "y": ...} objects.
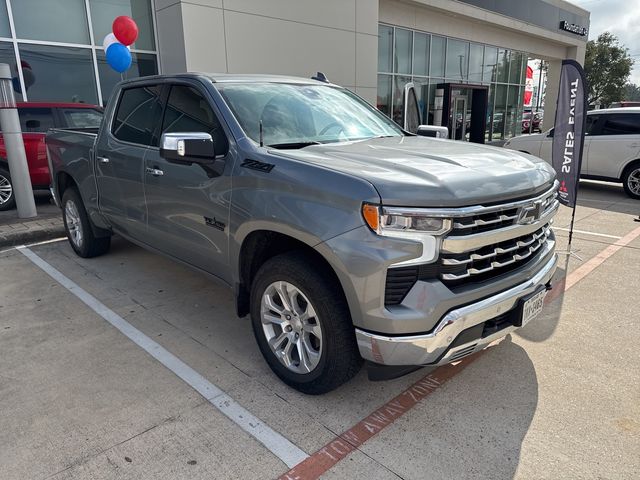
[{"x": 606, "y": 196}]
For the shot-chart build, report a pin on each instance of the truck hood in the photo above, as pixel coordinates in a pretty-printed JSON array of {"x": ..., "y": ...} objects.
[{"x": 428, "y": 172}]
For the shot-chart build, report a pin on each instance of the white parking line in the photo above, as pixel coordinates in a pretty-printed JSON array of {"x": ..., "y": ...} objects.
[
  {"x": 615, "y": 237},
  {"x": 286, "y": 451}
]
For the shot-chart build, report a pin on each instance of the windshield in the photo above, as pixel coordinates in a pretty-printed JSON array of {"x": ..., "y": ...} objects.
[{"x": 298, "y": 115}]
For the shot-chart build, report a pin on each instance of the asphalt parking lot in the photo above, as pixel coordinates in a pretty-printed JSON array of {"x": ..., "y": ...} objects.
[{"x": 189, "y": 395}]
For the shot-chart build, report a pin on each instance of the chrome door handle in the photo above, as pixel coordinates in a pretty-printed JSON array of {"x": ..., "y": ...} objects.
[
  {"x": 156, "y": 172},
  {"x": 103, "y": 159}
]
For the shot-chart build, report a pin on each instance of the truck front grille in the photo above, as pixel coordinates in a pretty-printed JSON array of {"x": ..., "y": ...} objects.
[{"x": 485, "y": 242}]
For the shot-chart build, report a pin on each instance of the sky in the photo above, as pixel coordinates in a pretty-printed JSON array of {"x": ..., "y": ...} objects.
[{"x": 620, "y": 17}]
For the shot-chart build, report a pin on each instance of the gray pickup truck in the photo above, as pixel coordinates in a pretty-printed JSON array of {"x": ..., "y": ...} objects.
[{"x": 344, "y": 236}]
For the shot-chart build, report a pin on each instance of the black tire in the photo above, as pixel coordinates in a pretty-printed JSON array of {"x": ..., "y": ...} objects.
[
  {"x": 631, "y": 179},
  {"x": 6, "y": 203},
  {"x": 87, "y": 245},
  {"x": 339, "y": 359}
]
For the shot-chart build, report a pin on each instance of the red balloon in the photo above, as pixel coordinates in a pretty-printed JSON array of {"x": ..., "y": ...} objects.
[{"x": 125, "y": 30}]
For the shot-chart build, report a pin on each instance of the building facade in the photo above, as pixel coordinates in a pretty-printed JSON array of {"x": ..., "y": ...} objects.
[{"x": 373, "y": 47}]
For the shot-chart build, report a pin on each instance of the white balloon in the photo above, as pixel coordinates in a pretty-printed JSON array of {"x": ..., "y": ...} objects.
[{"x": 109, "y": 40}]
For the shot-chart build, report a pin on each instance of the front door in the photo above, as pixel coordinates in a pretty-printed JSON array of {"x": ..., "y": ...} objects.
[
  {"x": 459, "y": 118},
  {"x": 120, "y": 159},
  {"x": 188, "y": 202}
]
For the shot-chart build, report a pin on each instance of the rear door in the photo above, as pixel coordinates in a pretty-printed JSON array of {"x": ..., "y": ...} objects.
[
  {"x": 188, "y": 202},
  {"x": 614, "y": 142},
  {"x": 120, "y": 154}
]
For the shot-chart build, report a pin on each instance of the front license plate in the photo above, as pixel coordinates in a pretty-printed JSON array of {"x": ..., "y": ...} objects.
[{"x": 532, "y": 307}]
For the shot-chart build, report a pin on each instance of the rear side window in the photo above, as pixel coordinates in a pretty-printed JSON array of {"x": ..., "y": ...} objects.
[
  {"x": 81, "y": 117},
  {"x": 137, "y": 115},
  {"x": 592, "y": 121},
  {"x": 621, "y": 124},
  {"x": 188, "y": 111},
  {"x": 35, "y": 119}
]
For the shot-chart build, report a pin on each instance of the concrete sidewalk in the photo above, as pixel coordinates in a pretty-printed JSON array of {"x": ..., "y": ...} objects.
[{"x": 18, "y": 231}]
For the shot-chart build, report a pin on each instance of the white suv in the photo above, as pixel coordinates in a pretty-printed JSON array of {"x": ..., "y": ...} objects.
[{"x": 611, "y": 149}]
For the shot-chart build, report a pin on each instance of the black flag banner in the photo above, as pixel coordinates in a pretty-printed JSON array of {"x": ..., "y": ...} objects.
[{"x": 569, "y": 130}]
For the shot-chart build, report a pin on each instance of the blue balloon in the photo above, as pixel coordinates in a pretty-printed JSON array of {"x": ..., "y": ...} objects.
[{"x": 118, "y": 57}]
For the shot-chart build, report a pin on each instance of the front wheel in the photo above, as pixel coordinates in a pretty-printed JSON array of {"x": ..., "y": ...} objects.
[
  {"x": 78, "y": 227},
  {"x": 302, "y": 324},
  {"x": 7, "y": 195},
  {"x": 631, "y": 180}
]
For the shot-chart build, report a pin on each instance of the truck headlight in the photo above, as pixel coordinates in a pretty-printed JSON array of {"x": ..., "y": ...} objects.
[{"x": 410, "y": 224}]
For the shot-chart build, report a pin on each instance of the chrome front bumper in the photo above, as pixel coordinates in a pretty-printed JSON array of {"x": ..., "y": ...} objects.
[{"x": 429, "y": 349}]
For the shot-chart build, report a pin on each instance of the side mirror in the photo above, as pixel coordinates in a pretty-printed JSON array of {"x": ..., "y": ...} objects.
[
  {"x": 32, "y": 124},
  {"x": 189, "y": 147},
  {"x": 433, "y": 131}
]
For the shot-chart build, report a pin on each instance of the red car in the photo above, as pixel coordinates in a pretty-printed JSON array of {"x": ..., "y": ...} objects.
[{"x": 35, "y": 120}]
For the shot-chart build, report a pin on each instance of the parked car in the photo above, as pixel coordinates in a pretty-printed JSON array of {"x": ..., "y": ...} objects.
[
  {"x": 35, "y": 120},
  {"x": 345, "y": 237},
  {"x": 611, "y": 148},
  {"x": 528, "y": 118}
]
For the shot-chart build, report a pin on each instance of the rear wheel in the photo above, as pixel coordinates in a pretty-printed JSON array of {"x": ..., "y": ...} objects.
[
  {"x": 7, "y": 195},
  {"x": 302, "y": 324},
  {"x": 631, "y": 180},
  {"x": 78, "y": 227}
]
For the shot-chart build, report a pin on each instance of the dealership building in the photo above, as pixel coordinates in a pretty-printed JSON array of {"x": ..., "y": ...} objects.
[{"x": 466, "y": 58}]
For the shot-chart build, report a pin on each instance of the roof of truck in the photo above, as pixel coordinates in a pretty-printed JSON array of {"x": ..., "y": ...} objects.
[{"x": 234, "y": 78}]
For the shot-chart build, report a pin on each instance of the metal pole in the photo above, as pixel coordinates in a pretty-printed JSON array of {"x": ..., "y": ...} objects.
[{"x": 16, "y": 156}]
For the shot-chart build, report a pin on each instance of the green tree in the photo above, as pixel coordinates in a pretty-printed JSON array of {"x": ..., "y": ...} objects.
[
  {"x": 608, "y": 66},
  {"x": 631, "y": 92}
]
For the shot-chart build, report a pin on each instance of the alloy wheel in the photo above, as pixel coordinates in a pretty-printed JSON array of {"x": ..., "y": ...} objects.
[
  {"x": 73, "y": 223},
  {"x": 633, "y": 181},
  {"x": 6, "y": 189},
  {"x": 291, "y": 327}
]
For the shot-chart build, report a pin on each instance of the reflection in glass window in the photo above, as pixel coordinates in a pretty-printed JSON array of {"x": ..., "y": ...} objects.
[
  {"x": 513, "y": 112},
  {"x": 422, "y": 95},
  {"x": 35, "y": 119},
  {"x": 437, "y": 56},
  {"x": 188, "y": 111},
  {"x": 503, "y": 66},
  {"x": 457, "y": 59},
  {"x": 515, "y": 67},
  {"x": 489, "y": 71},
  {"x": 499, "y": 112},
  {"x": 476, "y": 53},
  {"x": 51, "y": 20},
  {"x": 138, "y": 115},
  {"x": 621, "y": 124},
  {"x": 7, "y": 55},
  {"x": 398, "y": 98},
  {"x": 404, "y": 46},
  {"x": 383, "y": 101},
  {"x": 5, "y": 31},
  {"x": 421, "y": 54},
  {"x": 81, "y": 117},
  {"x": 385, "y": 48},
  {"x": 142, "y": 65},
  {"x": 103, "y": 12},
  {"x": 60, "y": 74}
]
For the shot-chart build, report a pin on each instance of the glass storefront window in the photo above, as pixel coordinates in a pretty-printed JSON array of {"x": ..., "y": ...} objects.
[
  {"x": 421, "y": 54},
  {"x": 476, "y": 54},
  {"x": 7, "y": 55},
  {"x": 513, "y": 106},
  {"x": 422, "y": 95},
  {"x": 53, "y": 20},
  {"x": 490, "y": 64},
  {"x": 5, "y": 31},
  {"x": 103, "y": 12},
  {"x": 515, "y": 67},
  {"x": 503, "y": 66},
  {"x": 403, "y": 48},
  {"x": 383, "y": 100},
  {"x": 457, "y": 59},
  {"x": 60, "y": 74},
  {"x": 437, "y": 56},
  {"x": 142, "y": 65},
  {"x": 385, "y": 49},
  {"x": 399, "y": 82},
  {"x": 499, "y": 112}
]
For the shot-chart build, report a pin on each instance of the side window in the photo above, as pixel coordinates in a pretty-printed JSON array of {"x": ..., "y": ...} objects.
[
  {"x": 188, "y": 111},
  {"x": 35, "y": 119},
  {"x": 137, "y": 115},
  {"x": 81, "y": 117},
  {"x": 621, "y": 124},
  {"x": 592, "y": 121}
]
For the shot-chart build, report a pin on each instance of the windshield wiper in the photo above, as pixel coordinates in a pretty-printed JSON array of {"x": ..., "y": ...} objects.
[{"x": 293, "y": 145}]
